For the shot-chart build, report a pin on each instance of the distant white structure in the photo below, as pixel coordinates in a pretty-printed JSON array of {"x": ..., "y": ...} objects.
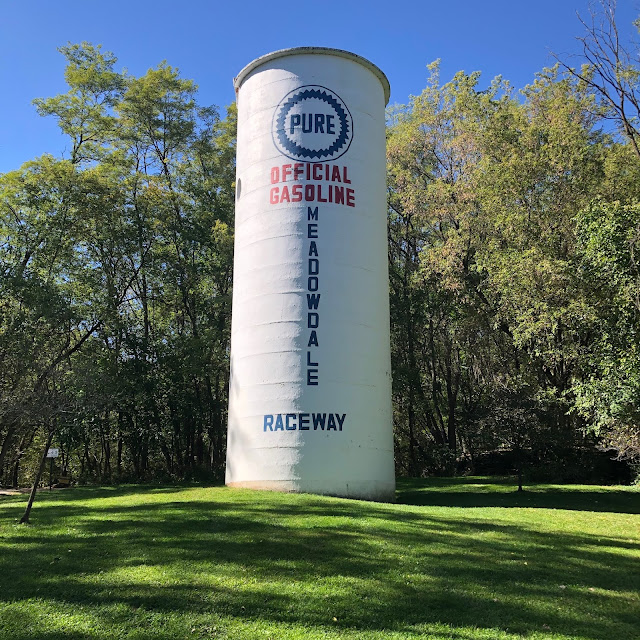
[{"x": 310, "y": 391}]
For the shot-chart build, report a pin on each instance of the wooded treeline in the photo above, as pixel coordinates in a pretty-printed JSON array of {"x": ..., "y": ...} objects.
[
  {"x": 514, "y": 247},
  {"x": 116, "y": 278}
]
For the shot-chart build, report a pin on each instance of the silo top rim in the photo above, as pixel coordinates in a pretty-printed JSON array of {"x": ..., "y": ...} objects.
[{"x": 295, "y": 51}]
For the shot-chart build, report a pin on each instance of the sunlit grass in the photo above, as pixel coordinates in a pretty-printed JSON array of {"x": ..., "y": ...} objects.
[{"x": 460, "y": 559}]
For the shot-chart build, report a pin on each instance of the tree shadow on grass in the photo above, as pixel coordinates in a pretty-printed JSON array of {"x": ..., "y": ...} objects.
[
  {"x": 483, "y": 492},
  {"x": 304, "y": 560}
]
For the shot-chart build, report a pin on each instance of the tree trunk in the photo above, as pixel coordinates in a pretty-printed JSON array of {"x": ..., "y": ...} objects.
[
  {"x": 120, "y": 443},
  {"x": 16, "y": 473},
  {"x": 414, "y": 381},
  {"x": 452, "y": 381},
  {"x": 5, "y": 447},
  {"x": 519, "y": 464},
  {"x": 36, "y": 482}
]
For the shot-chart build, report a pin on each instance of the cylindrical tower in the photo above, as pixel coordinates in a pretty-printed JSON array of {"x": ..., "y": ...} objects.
[{"x": 310, "y": 390}]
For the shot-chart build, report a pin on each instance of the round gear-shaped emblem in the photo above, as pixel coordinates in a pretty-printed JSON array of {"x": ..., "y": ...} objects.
[{"x": 312, "y": 124}]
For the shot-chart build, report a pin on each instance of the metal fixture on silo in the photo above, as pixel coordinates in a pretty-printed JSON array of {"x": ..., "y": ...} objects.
[{"x": 310, "y": 389}]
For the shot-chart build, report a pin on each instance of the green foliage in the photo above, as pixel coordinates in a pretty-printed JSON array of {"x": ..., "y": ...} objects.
[
  {"x": 85, "y": 112},
  {"x": 436, "y": 290},
  {"x": 609, "y": 243},
  {"x": 491, "y": 292},
  {"x": 116, "y": 277}
]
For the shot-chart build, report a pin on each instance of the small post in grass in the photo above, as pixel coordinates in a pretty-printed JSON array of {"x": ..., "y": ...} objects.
[{"x": 51, "y": 454}]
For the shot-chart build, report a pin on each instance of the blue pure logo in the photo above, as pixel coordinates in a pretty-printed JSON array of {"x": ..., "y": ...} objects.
[{"x": 312, "y": 123}]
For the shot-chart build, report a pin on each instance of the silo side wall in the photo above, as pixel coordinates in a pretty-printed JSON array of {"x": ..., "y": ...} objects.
[{"x": 310, "y": 390}]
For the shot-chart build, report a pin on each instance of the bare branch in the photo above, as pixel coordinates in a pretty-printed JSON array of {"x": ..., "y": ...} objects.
[{"x": 611, "y": 72}]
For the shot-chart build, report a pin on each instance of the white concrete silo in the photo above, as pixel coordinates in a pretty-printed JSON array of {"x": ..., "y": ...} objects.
[{"x": 310, "y": 390}]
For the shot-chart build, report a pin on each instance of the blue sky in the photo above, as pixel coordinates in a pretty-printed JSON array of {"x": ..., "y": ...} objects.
[{"x": 211, "y": 41}]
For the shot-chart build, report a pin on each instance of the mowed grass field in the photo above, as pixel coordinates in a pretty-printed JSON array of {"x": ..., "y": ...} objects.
[{"x": 455, "y": 559}]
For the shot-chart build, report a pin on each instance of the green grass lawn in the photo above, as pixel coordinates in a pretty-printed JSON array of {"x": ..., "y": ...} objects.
[{"x": 455, "y": 559}]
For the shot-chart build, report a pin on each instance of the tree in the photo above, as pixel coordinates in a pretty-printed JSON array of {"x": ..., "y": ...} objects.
[
  {"x": 116, "y": 268},
  {"x": 440, "y": 315},
  {"x": 607, "y": 395},
  {"x": 608, "y": 238},
  {"x": 485, "y": 291},
  {"x": 32, "y": 496},
  {"x": 610, "y": 71}
]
